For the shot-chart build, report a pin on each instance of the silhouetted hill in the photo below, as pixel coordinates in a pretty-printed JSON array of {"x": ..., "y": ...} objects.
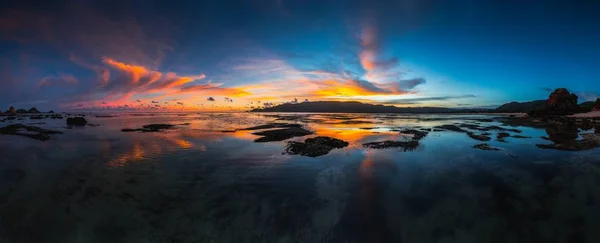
[
  {"x": 522, "y": 107},
  {"x": 354, "y": 107}
]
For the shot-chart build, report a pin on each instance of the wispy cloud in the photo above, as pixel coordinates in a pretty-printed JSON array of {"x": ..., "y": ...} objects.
[{"x": 425, "y": 99}]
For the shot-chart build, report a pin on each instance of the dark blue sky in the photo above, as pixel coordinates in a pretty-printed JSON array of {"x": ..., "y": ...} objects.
[{"x": 147, "y": 54}]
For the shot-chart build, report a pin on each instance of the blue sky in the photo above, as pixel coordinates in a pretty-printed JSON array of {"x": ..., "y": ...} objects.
[{"x": 162, "y": 55}]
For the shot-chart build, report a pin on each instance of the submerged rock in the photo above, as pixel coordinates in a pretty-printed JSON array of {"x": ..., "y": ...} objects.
[
  {"x": 281, "y": 134},
  {"x": 453, "y": 128},
  {"x": 417, "y": 135},
  {"x": 149, "y": 128},
  {"x": 272, "y": 125},
  {"x": 28, "y": 131},
  {"x": 314, "y": 147},
  {"x": 485, "y": 146},
  {"x": 501, "y": 136},
  {"x": 480, "y": 137},
  {"x": 76, "y": 121},
  {"x": 406, "y": 146}
]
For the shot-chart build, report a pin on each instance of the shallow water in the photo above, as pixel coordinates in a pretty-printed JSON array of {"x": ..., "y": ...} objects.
[{"x": 204, "y": 182}]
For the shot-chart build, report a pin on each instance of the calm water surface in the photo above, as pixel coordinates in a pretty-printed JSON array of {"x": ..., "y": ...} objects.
[{"x": 204, "y": 182}]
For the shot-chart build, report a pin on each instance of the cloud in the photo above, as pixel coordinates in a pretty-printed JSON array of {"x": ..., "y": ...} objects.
[
  {"x": 411, "y": 83},
  {"x": 586, "y": 96},
  {"x": 546, "y": 89},
  {"x": 423, "y": 99},
  {"x": 210, "y": 99},
  {"x": 62, "y": 79}
]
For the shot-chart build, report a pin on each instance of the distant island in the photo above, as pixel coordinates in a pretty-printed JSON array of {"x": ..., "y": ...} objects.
[
  {"x": 356, "y": 107},
  {"x": 560, "y": 102}
]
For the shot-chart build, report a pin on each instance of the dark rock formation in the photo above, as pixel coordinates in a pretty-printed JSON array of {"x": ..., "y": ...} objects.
[
  {"x": 314, "y": 147},
  {"x": 485, "y": 146},
  {"x": 281, "y": 134},
  {"x": 417, "y": 135},
  {"x": 406, "y": 146},
  {"x": 480, "y": 137},
  {"x": 149, "y": 128},
  {"x": 33, "y": 110},
  {"x": 51, "y": 111},
  {"x": 21, "y": 111},
  {"x": 501, "y": 136},
  {"x": 272, "y": 125},
  {"x": 597, "y": 105},
  {"x": 76, "y": 121},
  {"x": 561, "y": 102},
  {"x": 28, "y": 131},
  {"x": 11, "y": 111},
  {"x": 453, "y": 128}
]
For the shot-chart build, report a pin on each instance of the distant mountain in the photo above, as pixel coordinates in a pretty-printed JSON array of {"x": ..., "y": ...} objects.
[
  {"x": 354, "y": 107},
  {"x": 522, "y": 107}
]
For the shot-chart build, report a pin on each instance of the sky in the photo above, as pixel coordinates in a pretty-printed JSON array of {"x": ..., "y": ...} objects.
[{"x": 234, "y": 55}]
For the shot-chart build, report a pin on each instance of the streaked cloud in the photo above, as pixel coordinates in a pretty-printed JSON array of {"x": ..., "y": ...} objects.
[{"x": 425, "y": 99}]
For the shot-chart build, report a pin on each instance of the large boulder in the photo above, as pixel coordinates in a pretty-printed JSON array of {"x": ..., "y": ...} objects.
[
  {"x": 11, "y": 111},
  {"x": 561, "y": 102},
  {"x": 597, "y": 105},
  {"x": 76, "y": 121}
]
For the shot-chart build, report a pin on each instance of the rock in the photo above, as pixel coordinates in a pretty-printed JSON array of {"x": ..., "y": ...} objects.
[
  {"x": 597, "y": 105},
  {"x": 33, "y": 110},
  {"x": 51, "y": 111},
  {"x": 21, "y": 111},
  {"x": 11, "y": 111},
  {"x": 417, "y": 135},
  {"x": 76, "y": 121},
  {"x": 501, "y": 135},
  {"x": 281, "y": 134},
  {"x": 480, "y": 137},
  {"x": 30, "y": 131},
  {"x": 272, "y": 125},
  {"x": 485, "y": 146},
  {"x": 314, "y": 147},
  {"x": 561, "y": 102},
  {"x": 149, "y": 128},
  {"x": 38, "y": 117},
  {"x": 406, "y": 146},
  {"x": 453, "y": 128}
]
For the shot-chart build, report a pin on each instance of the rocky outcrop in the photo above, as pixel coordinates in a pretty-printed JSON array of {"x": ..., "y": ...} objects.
[
  {"x": 149, "y": 128},
  {"x": 11, "y": 111},
  {"x": 21, "y": 111},
  {"x": 560, "y": 103},
  {"x": 314, "y": 147},
  {"x": 28, "y": 131},
  {"x": 281, "y": 134},
  {"x": 76, "y": 121},
  {"x": 33, "y": 110},
  {"x": 597, "y": 105}
]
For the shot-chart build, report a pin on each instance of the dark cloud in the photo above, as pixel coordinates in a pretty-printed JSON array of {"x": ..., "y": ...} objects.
[
  {"x": 435, "y": 98},
  {"x": 411, "y": 83}
]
